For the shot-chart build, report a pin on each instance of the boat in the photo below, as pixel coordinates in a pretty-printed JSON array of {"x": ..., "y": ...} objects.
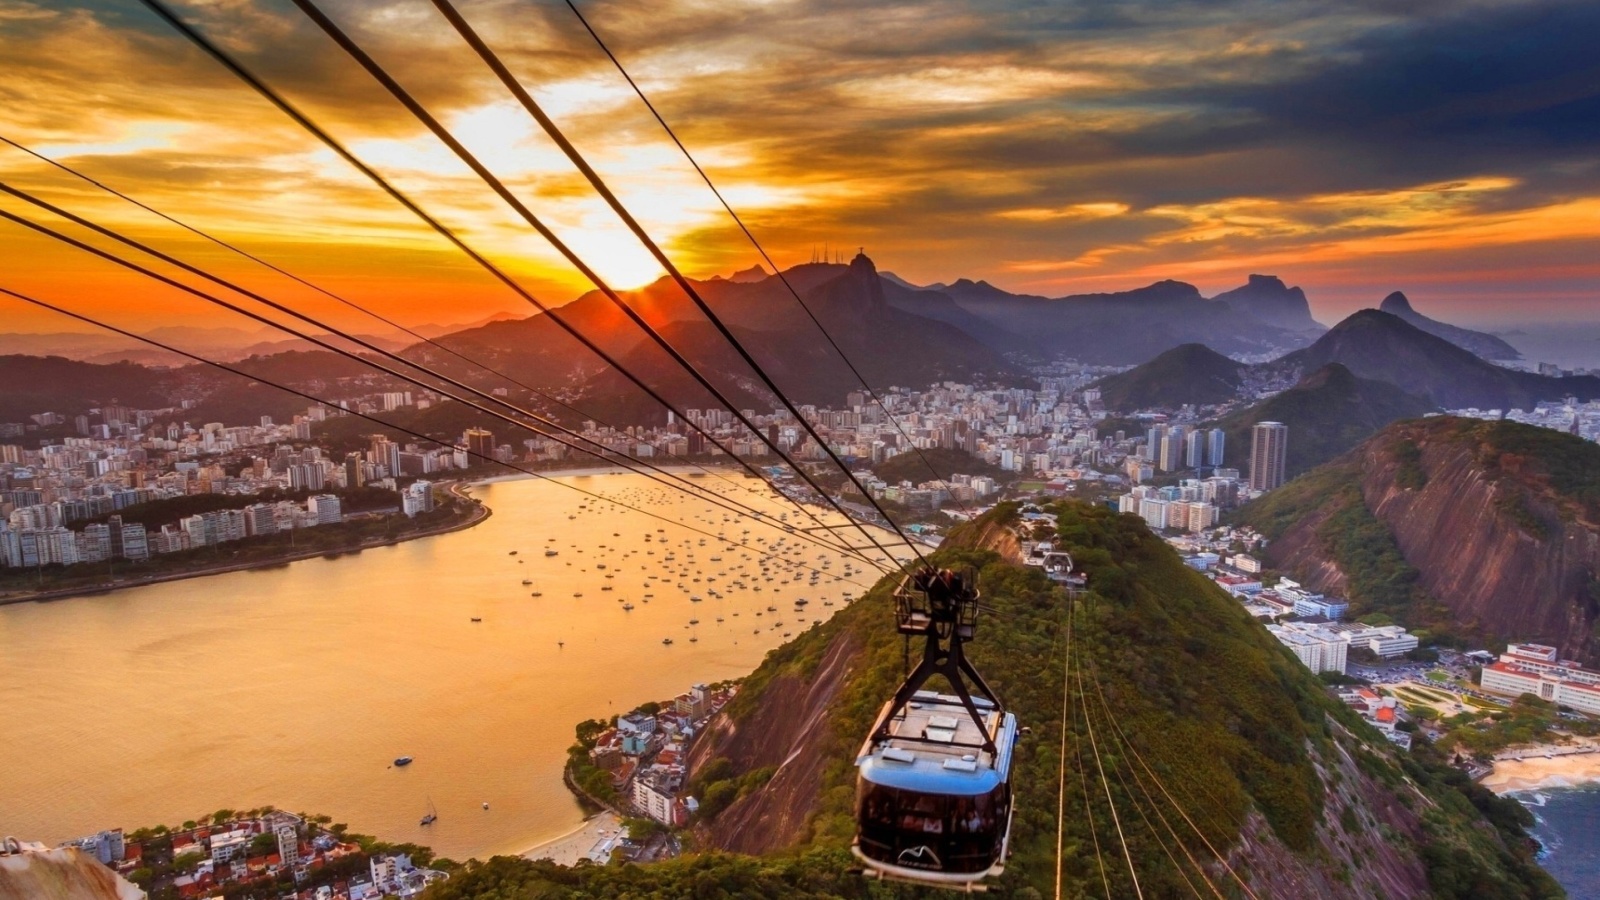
[
  {"x": 666, "y": 640},
  {"x": 627, "y": 606},
  {"x": 477, "y": 618},
  {"x": 433, "y": 814},
  {"x": 527, "y": 581},
  {"x": 485, "y": 805},
  {"x": 512, "y": 553},
  {"x": 403, "y": 761},
  {"x": 551, "y": 552},
  {"x": 538, "y": 593}
]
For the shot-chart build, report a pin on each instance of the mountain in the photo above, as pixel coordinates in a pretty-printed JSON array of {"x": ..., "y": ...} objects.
[
  {"x": 1300, "y": 796},
  {"x": 887, "y": 344},
  {"x": 1189, "y": 374},
  {"x": 36, "y": 384},
  {"x": 1127, "y": 326},
  {"x": 1385, "y": 347},
  {"x": 1328, "y": 412},
  {"x": 1489, "y": 531},
  {"x": 1267, "y": 298},
  {"x": 1485, "y": 345},
  {"x": 750, "y": 276}
]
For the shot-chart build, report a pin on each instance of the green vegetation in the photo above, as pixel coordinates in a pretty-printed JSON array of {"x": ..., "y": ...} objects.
[
  {"x": 1232, "y": 723},
  {"x": 1410, "y": 475},
  {"x": 1567, "y": 464},
  {"x": 717, "y": 785},
  {"x": 1328, "y": 412},
  {"x": 1187, "y": 374},
  {"x": 940, "y": 465},
  {"x": 1383, "y": 587},
  {"x": 591, "y": 779}
]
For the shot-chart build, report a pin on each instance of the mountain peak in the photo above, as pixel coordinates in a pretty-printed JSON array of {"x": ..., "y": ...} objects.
[
  {"x": 1267, "y": 299},
  {"x": 749, "y": 276},
  {"x": 1396, "y": 303}
]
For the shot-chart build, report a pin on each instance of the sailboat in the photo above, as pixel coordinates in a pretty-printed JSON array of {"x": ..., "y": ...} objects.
[{"x": 433, "y": 814}]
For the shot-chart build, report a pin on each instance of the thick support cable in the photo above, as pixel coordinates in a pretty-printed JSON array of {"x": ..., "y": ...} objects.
[
  {"x": 737, "y": 220},
  {"x": 741, "y": 545},
  {"x": 288, "y": 109},
  {"x": 332, "y": 30},
  {"x": 719, "y": 502},
  {"x": 233, "y": 248}
]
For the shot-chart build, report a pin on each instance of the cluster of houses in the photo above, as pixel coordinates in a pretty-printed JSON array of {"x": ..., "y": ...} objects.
[
  {"x": 211, "y": 860},
  {"x": 646, "y": 754},
  {"x": 1383, "y": 713}
]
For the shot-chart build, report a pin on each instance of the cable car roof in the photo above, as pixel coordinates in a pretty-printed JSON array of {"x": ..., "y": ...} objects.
[{"x": 936, "y": 762}]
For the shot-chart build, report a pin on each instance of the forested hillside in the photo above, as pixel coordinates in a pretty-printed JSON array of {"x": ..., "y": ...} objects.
[{"x": 1172, "y": 690}]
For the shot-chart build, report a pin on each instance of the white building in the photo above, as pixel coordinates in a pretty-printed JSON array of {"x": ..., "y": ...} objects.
[
  {"x": 1318, "y": 648},
  {"x": 1536, "y": 669},
  {"x": 652, "y": 798},
  {"x": 326, "y": 508}
]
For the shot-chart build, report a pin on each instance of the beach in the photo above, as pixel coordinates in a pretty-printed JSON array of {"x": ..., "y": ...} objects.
[
  {"x": 594, "y": 840},
  {"x": 1537, "y": 773}
]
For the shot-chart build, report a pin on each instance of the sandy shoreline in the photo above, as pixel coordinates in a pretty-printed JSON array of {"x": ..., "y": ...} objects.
[
  {"x": 593, "y": 840},
  {"x": 1538, "y": 773}
]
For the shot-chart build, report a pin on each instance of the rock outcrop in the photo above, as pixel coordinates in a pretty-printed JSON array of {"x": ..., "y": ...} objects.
[
  {"x": 1267, "y": 298},
  {"x": 1497, "y": 519},
  {"x": 1483, "y": 344}
]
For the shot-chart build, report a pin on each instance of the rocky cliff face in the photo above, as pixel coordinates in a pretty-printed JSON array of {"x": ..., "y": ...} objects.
[
  {"x": 1486, "y": 514},
  {"x": 1267, "y": 298},
  {"x": 1491, "y": 544}
]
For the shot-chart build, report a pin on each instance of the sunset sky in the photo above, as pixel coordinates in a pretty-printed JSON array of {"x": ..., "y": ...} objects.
[{"x": 1450, "y": 150}]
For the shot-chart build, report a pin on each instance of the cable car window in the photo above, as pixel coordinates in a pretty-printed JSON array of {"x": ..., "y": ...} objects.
[{"x": 963, "y": 833}]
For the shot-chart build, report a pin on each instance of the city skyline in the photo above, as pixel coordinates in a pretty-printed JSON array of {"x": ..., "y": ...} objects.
[{"x": 1350, "y": 151}]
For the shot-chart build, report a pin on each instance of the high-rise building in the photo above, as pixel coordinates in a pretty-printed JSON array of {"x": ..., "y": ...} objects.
[
  {"x": 1269, "y": 444},
  {"x": 1215, "y": 444},
  {"x": 480, "y": 445},
  {"x": 1194, "y": 449},
  {"x": 1170, "y": 455}
]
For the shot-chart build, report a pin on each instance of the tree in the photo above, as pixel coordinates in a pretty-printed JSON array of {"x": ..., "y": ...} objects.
[
  {"x": 263, "y": 844},
  {"x": 221, "y": 815}
]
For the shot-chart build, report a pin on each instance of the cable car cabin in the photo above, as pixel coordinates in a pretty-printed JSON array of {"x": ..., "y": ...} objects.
[{"x": 933, "y": 806}]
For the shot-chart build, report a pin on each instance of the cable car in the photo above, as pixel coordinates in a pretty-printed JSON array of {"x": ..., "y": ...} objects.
[{"x": 933, "y": 778}]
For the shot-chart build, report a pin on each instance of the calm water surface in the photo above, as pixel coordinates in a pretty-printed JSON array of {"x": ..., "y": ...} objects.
[{"x": 296, "y": 686}]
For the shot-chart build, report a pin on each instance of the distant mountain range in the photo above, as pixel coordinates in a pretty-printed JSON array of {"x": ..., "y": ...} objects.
[
  {"x": 1371, "y": 344},
  {"x": 1117, "y": 328},
  {"x": 899, "y": 333},
  {"x": 1385, "y": 347},
  {"x": 1485, "y": 345}
]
